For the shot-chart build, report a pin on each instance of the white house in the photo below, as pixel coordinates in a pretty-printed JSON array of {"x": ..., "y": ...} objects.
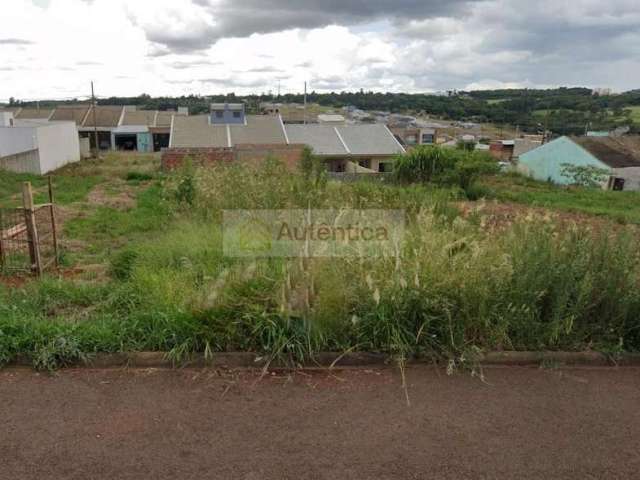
[{"x": 36, "y": 146}]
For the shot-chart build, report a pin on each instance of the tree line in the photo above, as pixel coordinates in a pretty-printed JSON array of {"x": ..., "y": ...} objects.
[{"x": 562, "y": 110}]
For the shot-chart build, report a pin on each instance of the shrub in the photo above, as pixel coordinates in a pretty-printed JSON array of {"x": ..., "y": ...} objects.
[{"x": 138, "y": 177}]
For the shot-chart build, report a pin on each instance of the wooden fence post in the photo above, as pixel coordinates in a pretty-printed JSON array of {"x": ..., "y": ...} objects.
[
  {"x": 32, "y": 230},
  {"x": 54, "y": 232}
]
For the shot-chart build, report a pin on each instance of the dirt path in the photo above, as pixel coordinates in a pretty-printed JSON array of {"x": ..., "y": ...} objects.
[{"x": 183, "y": 424}]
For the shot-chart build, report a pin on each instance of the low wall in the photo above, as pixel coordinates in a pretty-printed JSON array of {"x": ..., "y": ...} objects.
[
  {"x": 25, "y": 162},
  {"x": 253, "y": 154}
]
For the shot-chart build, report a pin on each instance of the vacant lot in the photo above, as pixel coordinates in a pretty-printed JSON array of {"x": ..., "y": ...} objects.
[
  {"x": 523, "y": 423},
  {"x": 143, "y": 269}
]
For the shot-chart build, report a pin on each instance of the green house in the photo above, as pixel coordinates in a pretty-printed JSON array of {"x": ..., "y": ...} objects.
[{"x": 620, "y": 156}]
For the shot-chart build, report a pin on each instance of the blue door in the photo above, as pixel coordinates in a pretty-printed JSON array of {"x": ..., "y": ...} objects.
[{"x": 144, "y": 142}]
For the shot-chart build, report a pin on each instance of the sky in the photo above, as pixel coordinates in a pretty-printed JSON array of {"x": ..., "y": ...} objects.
[{"x": 54, "y": 48}]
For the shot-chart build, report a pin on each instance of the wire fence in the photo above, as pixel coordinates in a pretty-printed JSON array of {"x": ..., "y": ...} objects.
[
  {"x": 28, "y": 236},
  {"x": 15, "y": 244}
]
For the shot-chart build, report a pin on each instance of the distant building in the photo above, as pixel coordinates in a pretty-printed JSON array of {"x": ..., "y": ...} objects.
[
  {"x": 331, "y": 119},
  {"x": 618, "y": 156},
  {"x": 363, "y": 148},
  {"x": 412, "y": 136},
  {"x": 227, "y": 114},
  {"x": 36, "y": 146},
  {"x": 510, "y": 150}
]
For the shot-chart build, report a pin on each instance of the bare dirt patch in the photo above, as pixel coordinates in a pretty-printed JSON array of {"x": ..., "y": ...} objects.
[
  {"x": 116, "y": 195},
  {"x": 494, "y": 215}
]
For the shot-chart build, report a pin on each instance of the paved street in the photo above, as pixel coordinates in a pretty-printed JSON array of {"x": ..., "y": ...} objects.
[{"x": 356, "y": 424}]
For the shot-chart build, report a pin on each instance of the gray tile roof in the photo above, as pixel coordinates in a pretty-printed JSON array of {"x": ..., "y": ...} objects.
[
  {"x": 34, "y": 113},
  {"x": 164, "y": 119},
  {"x": 375, "y": 139},
  {"x": 259, "y": 129},
  {"x": 75, "y": 113},
  {"x": 321, "y": 138},
  {"x": 196, "y": 131},
  {"x": 105, "y": 116},
  {"x": 327, "y": 140},
  {"x": 139, "y": 117}
]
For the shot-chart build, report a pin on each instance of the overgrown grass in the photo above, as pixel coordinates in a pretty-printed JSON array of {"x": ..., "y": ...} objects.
[
  {"x": 621, "y": 207},
  {"x": 455, "y": 288}
]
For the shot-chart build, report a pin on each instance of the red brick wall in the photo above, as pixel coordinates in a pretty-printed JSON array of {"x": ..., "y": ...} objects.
[{"x": 254, "y": 154}]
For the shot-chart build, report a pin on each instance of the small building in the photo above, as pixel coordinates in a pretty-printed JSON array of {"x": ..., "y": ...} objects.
[
  {"x": 412, "y": 136},
  {"x": 364, "y": 148},
  {"x": 103, "y": 120},
  {"x": 619, "y": 156},
  {"x": 331, "y": 119},
  {"x": 227, "y": 114},
  {"x": 36, "y": 146},
  {"x": 502, "y": 150}
]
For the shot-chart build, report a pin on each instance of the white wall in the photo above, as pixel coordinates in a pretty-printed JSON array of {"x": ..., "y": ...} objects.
[
  {"x": 58, "y": 144},
  {"x": 15, "y": 140},
  {"x": 631, "y": 177}
]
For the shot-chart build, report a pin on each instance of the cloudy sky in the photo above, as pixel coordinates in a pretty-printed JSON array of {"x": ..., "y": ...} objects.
[{"x": 53, "y": 48}]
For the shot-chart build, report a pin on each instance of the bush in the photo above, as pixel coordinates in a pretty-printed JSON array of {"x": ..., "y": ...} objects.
[
  {"x": 138, "y": 177},
  {"x": 444, "y": 166}
]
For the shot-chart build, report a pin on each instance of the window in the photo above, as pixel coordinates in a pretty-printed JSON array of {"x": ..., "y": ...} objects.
[
  {"x": 384, "y": 167},
  {"x": 219, "y": 114},
  {"x": 236, "y": 114},
  {"x": 427, "y": 138},
  {"x": 410, "y": 139},
  {"x": 366, "y": 163}
]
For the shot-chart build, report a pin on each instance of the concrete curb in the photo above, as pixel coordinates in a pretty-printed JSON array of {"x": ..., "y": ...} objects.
[{"x": 343, "y": 360}]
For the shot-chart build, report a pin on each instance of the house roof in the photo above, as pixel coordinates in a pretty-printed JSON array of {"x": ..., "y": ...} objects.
[
  {"x": 106, "y": 116},
  {"x": 139, "y": 117},
  {"x": 616, "y": 152},
  {"x": 75, "y": 113},
  {"x": 321, "y": 138},
  {"x": 373, "y": 139},
  {"x": 34, "y": 113},
  {"x": 196, "y": 131},
  {"x": 259, "y": 129},
  {"x": 164, "y": 119}
]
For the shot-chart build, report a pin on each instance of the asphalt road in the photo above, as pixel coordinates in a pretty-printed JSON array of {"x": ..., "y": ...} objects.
[{"x": 518, "y": 423}]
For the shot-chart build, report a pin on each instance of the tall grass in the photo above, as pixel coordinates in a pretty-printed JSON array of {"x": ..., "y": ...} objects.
[{"x": 456, "y": 287}]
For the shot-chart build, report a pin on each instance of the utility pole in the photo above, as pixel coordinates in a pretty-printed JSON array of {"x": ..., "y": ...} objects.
[
  {"x": 546, "y": 126},
  {"x": 278, "y": 89},
  {"x": 95, "y": 122},
  {"x": 304, "y": 118}
]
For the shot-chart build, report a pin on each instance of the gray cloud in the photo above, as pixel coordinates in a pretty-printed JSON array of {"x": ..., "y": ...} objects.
[
  {"x": 230, "y": 18},
  {"x": 15, "y": 41},
  {"x": 185, "y": 65},
  {"x": 264, "y": 70}
]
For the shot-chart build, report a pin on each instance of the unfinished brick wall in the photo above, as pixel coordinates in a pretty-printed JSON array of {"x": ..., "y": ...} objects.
[
  {"x": 175, "y": 157},
  {"x": 254, "y": 154}
]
